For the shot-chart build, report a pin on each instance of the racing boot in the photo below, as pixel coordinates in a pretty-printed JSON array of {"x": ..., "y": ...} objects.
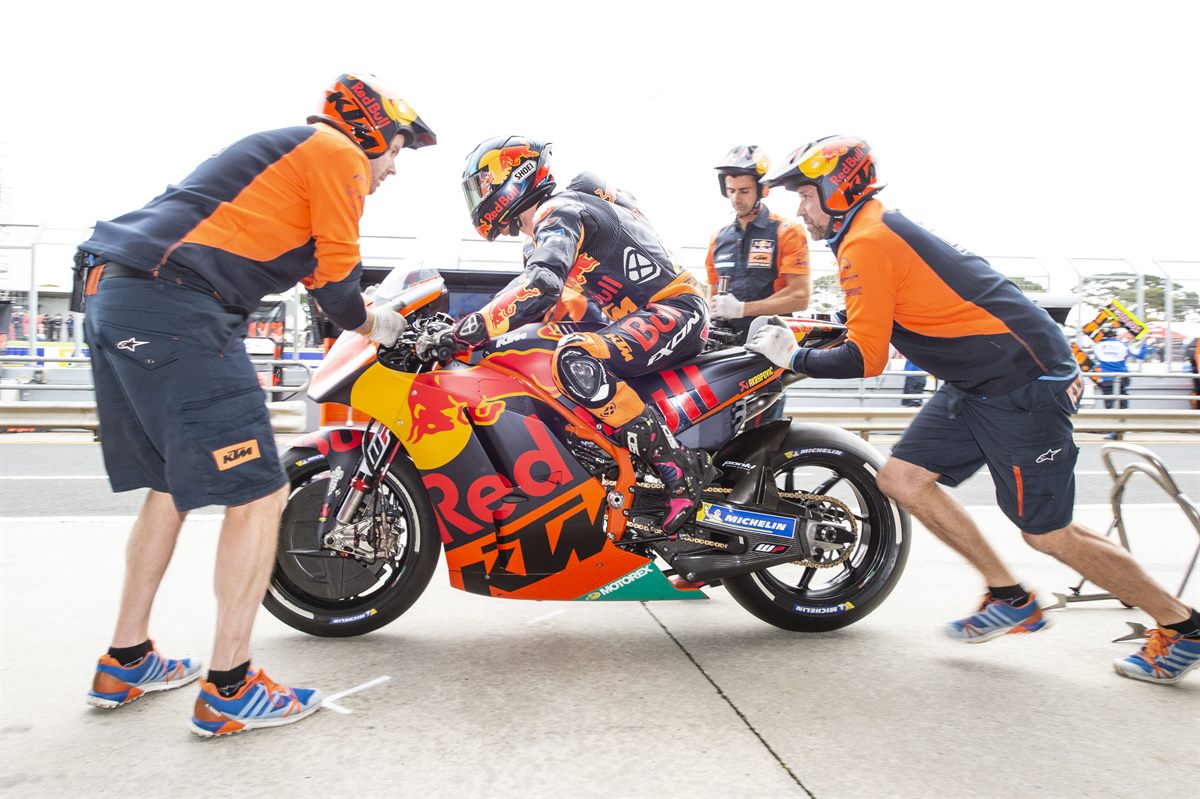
[{"x": 684, "y": 472}]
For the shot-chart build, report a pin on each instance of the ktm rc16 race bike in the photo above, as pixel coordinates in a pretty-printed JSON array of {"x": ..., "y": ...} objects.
[{"x": 483, "y": 457}]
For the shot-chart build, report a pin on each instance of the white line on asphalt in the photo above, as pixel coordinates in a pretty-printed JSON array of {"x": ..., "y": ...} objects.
[
  {"x": 540, "y": 619},
  {"x": 56, "y": 477},
  {"x": 192, "y": 517},
  {"x": 1124, "y": 505},
  {"x": 331, "y": 700}
]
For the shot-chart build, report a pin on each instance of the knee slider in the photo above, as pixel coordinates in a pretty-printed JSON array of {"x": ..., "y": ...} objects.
[{"x": 579, "y": 369}]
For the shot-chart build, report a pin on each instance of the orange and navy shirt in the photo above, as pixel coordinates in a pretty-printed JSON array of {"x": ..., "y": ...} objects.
[
  {"x": 943, "y": 307},
  {"x": 271, "y": 210},
  {"x": 756, "y": 259}
]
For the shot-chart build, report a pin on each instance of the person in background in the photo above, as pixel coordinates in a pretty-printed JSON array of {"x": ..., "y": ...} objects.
[
  {"x": 168, "y": 291},
  {"x": 1112, "y": 352},
  {"x": 760, "y": 257},
  {"x": 1011, "y": 385}
]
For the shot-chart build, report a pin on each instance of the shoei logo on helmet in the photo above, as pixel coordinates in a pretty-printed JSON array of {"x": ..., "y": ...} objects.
[{"x": 524, "y": 170}]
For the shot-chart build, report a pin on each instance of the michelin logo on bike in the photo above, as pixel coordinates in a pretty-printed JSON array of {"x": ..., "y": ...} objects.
[{"x": 746, "y": 521}]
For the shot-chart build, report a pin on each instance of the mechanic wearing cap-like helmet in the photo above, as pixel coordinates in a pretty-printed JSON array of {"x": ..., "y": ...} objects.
[
  {"x": 762, "y": 257},
  {"x": 1011, "y": 386},
  {"x": 168, "y": 290},
  {"x": 593, "y": 240}
]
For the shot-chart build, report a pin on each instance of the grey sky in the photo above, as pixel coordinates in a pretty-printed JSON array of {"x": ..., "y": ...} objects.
[{"x": 1058, "y": 129}]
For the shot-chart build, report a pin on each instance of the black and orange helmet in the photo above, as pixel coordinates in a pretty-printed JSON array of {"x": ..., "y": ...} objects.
[
  {"x": 841, "y": 167},
  {"x": 503, "y": 176},
  {"x": 366, "y": 110},
  {"x": 745, "y": 159}
]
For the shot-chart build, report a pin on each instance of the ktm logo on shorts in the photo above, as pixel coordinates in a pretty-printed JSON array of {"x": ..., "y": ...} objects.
[{"x": 236, "y": 455}]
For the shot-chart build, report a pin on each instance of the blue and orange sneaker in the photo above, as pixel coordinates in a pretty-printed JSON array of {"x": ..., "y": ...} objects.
[
  {"x": 261, "y": 702},
  {"x": 996, "y": 617},
  {"x": 1165, "y": 657},
  {"x": 115, "y": 685}
]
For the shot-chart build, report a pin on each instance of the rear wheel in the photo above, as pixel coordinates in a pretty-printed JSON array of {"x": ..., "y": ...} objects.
[
  {"x": 329, "y": 593},
  {"x": 808, "y": 599}
]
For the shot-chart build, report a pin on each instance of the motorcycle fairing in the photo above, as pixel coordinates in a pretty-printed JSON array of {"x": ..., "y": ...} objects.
[{"x": 696, "y": 390}]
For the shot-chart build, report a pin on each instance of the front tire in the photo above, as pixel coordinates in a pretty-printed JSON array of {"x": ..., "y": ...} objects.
[
  {"x": 329, "y": 594},
  {"x": 806, "y": 599}
]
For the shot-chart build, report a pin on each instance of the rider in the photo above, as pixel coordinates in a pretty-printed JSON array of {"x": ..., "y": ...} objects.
[
  {"x": 1011, "y": 386},
  {"x": 763, "y": 255},
  {"x": 593, "y": 240}
]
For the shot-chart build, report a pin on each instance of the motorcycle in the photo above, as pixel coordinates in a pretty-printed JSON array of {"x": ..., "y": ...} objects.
[{"x": 481, "y": 456}]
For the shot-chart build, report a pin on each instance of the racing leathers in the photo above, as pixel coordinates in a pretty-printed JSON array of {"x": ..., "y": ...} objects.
[
  {"x": 945, "y": 308},
  {"x": 592, "y": 240}
]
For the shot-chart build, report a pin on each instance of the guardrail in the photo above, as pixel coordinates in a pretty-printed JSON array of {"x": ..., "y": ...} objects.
[
  {"x": 291, "y": 416},
  {"x": 287, "y": 416},
  {"x": 1089, "y": 420}
]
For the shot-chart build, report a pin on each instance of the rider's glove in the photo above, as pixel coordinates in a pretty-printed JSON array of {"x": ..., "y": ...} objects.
[
  {"x": 777, "y": 342},
  {"x": 385, "y": 326},
  {"x": 726, "y": 306}
]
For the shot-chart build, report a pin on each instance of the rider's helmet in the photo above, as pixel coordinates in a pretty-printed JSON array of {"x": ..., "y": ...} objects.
[
  {"x": 370, "y": 113},
  {"x": 841, "y": 167},
  {"x": 745, "y": 159},
  {"x": 503, "y": 176}
]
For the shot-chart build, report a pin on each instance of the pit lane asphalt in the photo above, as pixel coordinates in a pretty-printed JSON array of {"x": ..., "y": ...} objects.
[{"x": 591, "y": 699}]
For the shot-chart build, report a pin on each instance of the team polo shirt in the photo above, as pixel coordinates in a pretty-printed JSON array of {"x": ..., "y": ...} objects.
[{"x": 271, "y": 210}]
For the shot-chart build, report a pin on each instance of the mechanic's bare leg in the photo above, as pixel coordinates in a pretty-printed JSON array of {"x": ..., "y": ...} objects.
[
  {"x": 1110, "y": 566},
  {"x": 917, "y": 491},
  {"x": 245, "y": 556},
  {"x": 151, "y": 544}
]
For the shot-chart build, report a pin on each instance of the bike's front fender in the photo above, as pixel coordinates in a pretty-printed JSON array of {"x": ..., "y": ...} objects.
[{"x": 339, "y": 448}]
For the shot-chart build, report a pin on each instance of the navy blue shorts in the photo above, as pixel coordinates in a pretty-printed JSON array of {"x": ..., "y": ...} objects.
[
  {"x": 180, "y": 407},
  {"x": 1024, "y": 437}
]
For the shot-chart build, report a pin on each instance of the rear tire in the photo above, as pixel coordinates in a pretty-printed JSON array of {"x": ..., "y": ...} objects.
[
  {"x": 805, "y": 599},
  {"x": 334, "y": 595}
]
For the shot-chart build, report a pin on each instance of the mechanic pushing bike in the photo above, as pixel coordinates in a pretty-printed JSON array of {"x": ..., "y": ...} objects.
[{"x": 592, "y": 240}]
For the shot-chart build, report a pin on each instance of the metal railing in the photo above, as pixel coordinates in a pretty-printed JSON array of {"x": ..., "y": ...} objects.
[{"x": 287, "y": 416}]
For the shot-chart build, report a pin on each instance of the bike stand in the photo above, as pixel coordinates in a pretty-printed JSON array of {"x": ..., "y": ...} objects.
[{"x": 1153, "y": 468}]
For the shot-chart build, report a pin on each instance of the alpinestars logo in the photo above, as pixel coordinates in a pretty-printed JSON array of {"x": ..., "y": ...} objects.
[
  {"x": 131, "y": 344},
  {"x": 1048, "y": 455}
]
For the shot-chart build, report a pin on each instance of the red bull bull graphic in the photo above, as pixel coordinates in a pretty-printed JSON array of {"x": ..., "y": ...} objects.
[{"x": 500, "y": 163}]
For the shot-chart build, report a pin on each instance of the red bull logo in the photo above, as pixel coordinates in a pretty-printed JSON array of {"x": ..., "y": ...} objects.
[
  {"x": 577, "y": 277},
  {"x": 819, "y": 162},
  {"x": 504, "y": 306},
  {"x": 500, "y": 162}
]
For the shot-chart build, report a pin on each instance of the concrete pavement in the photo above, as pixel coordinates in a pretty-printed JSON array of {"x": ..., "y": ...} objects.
[{"x": 566, "y": 700}]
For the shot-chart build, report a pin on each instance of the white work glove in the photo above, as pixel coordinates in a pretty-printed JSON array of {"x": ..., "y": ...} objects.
[
  {"x": 725, "y": 306},
  {"x": 777, "y": 343},
  {"x": 386, "y": 326}
]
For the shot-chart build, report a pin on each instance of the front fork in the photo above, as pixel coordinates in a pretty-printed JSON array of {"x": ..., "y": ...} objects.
[{"x": 379, "y": 448}]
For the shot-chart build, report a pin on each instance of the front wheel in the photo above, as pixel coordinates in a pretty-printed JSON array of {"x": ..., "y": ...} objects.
[
  {"x": 807, "y": 599},
  {"x": 335, "y": 594}
]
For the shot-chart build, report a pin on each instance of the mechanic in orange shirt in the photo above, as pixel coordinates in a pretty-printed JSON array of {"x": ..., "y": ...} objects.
[
  {"x": 168, "y": 291},
  {"x": 1011, "y": 387}
]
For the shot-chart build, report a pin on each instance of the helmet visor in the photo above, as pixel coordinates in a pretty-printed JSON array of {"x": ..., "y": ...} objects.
[{"x": 475, "y": 187}]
